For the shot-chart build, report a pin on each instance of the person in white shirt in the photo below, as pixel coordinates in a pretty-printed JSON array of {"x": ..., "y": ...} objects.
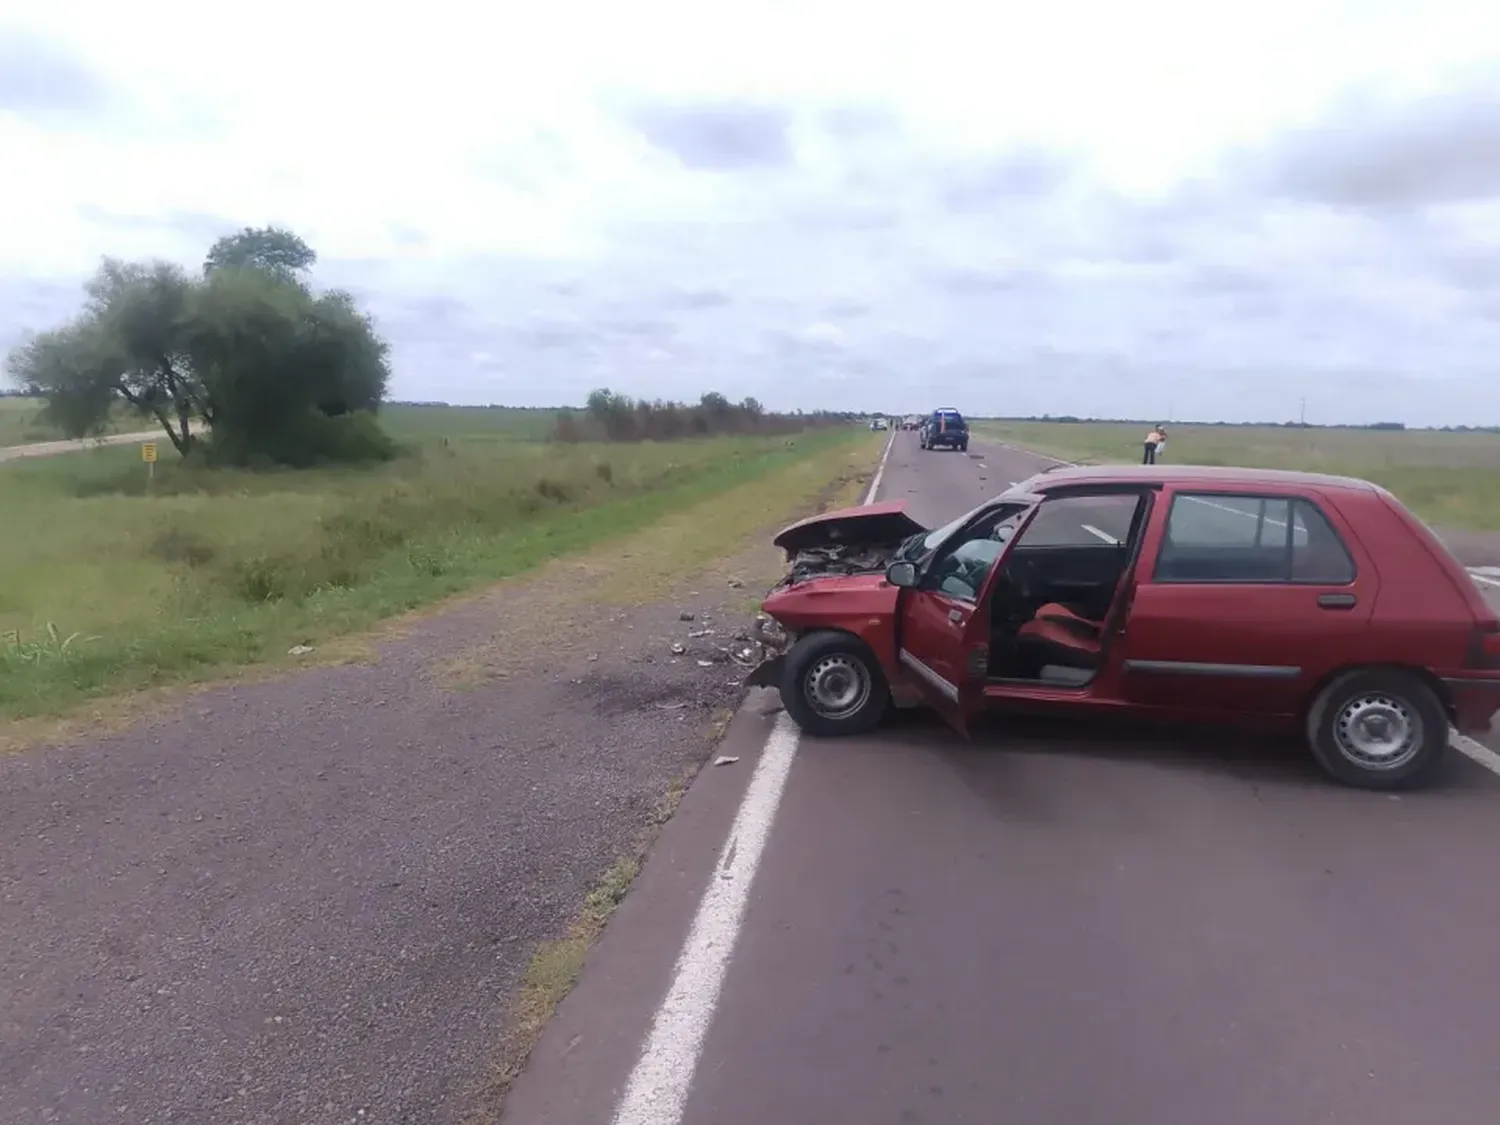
[{"x": 1152, "y": 444}]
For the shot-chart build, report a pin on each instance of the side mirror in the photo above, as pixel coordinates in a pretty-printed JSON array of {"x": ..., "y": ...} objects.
[{"x": 902, "y": 574}]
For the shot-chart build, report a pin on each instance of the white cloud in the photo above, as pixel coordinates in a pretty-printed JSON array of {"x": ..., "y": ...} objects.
[{"x": 1077, "y": 207}]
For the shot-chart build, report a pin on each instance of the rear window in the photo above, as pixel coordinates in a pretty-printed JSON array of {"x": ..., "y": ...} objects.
[{"x": 948, "y": 416}]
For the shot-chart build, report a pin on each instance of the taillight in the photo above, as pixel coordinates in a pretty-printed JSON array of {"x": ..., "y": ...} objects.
[{"x": 1484, "y": 646}]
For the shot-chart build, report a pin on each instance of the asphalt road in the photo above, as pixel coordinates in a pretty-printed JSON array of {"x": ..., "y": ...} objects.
[{"x": 1055, "y": 925}]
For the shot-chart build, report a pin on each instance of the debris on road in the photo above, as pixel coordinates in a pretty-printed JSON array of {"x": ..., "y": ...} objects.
[
  {"x": 725, "y": 760},
  {"x": 678, "y": 647}
]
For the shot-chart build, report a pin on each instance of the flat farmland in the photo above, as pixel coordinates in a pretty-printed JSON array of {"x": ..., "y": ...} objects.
[
  {"x": 1452, "y": 479},
  {"x": 120, "y": 583}
]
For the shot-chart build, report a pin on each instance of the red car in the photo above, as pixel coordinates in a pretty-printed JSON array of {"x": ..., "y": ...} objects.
[{"x": 1297, "y": 600}]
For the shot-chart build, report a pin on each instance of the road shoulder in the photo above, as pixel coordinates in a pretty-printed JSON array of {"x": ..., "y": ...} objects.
[{"x": 340, "y": 876}]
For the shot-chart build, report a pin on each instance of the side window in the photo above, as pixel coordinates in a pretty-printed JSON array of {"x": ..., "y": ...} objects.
[
  {"x": 1214, "y": 537},
  {"x": 1081, "y": 521},
  {"x": 1228, "y": 521},
  {"x": 960, "y": 572}
]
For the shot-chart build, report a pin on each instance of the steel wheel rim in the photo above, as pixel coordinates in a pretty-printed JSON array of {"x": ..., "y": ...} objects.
[
  {"x": 837, "y": 686},
  {"x": 1378, "y": 731}
]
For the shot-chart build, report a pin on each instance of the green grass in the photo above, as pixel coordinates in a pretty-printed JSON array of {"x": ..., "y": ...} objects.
[
  {"x": 21, "y": 423},
  {"x": 214, "y": 568},
  {"x": 1450, "y": 479},
  {"x": 474, "y": 423}
]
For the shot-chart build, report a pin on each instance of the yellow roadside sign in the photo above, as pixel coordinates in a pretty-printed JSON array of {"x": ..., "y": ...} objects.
[{"x": 148, "y": 452}]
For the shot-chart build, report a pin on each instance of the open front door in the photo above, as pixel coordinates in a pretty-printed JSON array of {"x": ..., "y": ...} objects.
[{"x": 943, "y": 625}]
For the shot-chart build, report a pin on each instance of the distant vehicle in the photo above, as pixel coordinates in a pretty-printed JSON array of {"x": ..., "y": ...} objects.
[
  {"x": 911, "y": 422},
  {"x": 1313, "y": 603},
  {"x": 877, "y": 424},
  {"x": 945, "y": 428}
]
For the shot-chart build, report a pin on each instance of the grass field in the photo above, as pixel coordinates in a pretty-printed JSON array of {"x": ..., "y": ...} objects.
[
  {"x": 1450, "y": 479},
  {"x": 21, "y": 424},
  {"x": 109, "y": 588}
]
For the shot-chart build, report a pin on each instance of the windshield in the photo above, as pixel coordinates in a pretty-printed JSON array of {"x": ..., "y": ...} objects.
[{"x": 924, "y": 542}]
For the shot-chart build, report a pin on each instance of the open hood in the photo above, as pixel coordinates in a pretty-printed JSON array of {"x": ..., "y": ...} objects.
[{"x": 869, "y": 526}]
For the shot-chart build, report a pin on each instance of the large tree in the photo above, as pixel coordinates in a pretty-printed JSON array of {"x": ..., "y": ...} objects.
[{"x": 270, "y": 366}]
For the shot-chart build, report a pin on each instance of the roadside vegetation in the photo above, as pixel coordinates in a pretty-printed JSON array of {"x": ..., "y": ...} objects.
[
  {"x": 610, "y": 416},
  {"x": 299, "y": 505},
  {"x": 1450, "y": 478},
  {"x": 120, "y": 582}
]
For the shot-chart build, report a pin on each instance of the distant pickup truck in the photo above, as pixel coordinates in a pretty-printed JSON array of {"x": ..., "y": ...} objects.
[{"x": 945, "y": 428}]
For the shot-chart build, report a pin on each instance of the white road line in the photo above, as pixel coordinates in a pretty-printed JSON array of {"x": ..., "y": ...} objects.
[
  {"x": 1236, "y": 511},
  {"x": 880, "y": 470},
  {"x": 1106, "y": 536},
  {"x": 657, "y": 1091},
  {"x": 1488, "y": 581},
  {"x": 1474, "y": 750}
]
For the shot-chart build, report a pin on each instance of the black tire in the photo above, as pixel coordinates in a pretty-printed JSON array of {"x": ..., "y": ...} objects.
[
  {"x": 1349, "y": 749},
  {"x": 964, "y": 448},
  {"x": 828, "y": 655}
]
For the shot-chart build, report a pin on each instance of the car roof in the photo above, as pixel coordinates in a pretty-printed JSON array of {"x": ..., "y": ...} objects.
[{"x": 1218, "y": 475}]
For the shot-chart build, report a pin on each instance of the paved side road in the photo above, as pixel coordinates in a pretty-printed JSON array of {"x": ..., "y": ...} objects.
[
  {"x": 1054, "y": 924},
  {"x": 53, "y": 448}
]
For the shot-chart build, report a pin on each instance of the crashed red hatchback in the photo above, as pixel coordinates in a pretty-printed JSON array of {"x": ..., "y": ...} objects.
[{"x": 1198, "y": 593}]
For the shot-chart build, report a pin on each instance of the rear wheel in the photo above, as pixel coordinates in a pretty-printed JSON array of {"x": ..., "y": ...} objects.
[
  {"x": 832, "y": 685},
  {"x": 1378, "y": 729}
]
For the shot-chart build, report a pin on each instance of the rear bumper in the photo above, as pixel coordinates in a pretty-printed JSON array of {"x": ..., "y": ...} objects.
[
  {"x": 948, "y": 439},
  {"x": 1475, "y": 702}
]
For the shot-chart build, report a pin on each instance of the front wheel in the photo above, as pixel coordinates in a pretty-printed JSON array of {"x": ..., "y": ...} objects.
[
  {"x": 832, "y": 685},
  {"x": 1378, "y": 729}
]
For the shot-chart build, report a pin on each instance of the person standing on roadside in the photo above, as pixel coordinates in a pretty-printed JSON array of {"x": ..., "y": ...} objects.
[
  {"x": 1153, "y": 439},
  {"x": 1161, "y": 442}
]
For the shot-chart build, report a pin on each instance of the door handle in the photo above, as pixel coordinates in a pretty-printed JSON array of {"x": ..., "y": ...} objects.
[
  {"x": 955, "y": 615},
  {"x": 1337, "y": 601}
]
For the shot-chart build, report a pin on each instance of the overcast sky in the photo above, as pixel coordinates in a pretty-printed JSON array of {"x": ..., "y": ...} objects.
[{"x": 1162, "y": 208}]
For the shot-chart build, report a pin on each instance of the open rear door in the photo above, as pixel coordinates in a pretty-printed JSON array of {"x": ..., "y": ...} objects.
[{"x": 943, "y": 640}]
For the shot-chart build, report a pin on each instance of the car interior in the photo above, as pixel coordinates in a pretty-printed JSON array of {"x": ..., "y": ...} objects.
[{"x": 1051, "y": 605}]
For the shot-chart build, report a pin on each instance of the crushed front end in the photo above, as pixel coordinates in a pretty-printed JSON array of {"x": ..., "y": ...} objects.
[{"x": 825, "y": 556}]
